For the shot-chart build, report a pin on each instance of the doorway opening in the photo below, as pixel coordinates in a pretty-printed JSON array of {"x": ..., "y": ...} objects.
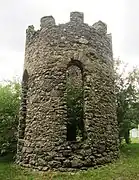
[{"x": 75, "y": 101}]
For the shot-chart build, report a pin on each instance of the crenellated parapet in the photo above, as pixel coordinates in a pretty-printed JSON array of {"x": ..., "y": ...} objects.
[
  {"x": 77, "y": 17},
  {"x": 47, "y": 22},
  {"x": 30, "y": 32},
  {"x": 100, "y": 27},
  {"x": 74, "y": 31}
]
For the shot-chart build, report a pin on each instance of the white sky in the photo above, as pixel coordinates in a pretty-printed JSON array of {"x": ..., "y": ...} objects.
[{"x": 121, "y": 16}]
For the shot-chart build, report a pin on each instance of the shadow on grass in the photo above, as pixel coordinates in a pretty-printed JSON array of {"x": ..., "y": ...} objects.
[{"x": 7, "y": 158}]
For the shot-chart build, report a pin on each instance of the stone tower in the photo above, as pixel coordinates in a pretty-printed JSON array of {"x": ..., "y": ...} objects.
[{"x": 53, "y": 54}]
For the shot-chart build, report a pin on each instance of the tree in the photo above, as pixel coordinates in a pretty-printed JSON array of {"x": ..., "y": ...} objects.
[
  {"x": 127, "y": 99},
  {"x": 9, "y": 110}
]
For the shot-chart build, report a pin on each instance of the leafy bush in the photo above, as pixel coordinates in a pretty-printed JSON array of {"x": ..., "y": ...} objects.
[{"x": 9, "y": 110}]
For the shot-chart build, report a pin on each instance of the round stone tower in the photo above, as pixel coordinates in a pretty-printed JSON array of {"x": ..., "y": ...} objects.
[{"x": 54, "y": 56}]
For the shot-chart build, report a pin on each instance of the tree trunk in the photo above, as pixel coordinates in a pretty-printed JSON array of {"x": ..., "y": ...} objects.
[{"x": 127, "y": 136}]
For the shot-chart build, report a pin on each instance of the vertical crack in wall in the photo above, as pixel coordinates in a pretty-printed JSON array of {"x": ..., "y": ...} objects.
[{"x": 23, "y": 111}]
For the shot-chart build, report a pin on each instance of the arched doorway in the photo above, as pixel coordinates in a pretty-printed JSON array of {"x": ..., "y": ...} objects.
[{"x": 75, "y": 101}]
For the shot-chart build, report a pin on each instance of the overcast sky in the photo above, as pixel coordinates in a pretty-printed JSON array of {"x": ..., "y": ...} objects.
[{"x": 121, "y": 16}]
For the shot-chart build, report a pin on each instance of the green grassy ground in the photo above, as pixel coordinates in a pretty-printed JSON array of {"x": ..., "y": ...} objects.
[{"x": 126, "y": 168}]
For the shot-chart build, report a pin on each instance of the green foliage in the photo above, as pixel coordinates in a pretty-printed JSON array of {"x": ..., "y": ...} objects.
[
  {"x": 75, "y": 110},
  {"x": 9, "y": 110},
  {"x": 127, "y": 99}
]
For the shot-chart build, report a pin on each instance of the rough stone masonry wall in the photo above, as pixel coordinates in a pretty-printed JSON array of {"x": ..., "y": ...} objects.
[{"x": 49, "y": 51}]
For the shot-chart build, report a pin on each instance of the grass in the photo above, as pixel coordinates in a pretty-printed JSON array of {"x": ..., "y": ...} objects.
[{"x": 126, "y": 168}]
